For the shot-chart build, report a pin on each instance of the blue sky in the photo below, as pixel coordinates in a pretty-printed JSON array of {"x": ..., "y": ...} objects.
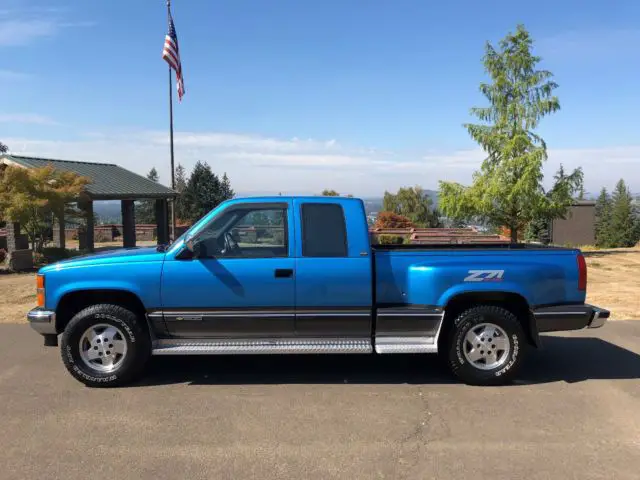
[{"x": 297, "y": 96}]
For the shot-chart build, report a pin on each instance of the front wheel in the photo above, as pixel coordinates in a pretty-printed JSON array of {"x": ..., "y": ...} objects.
[
  {"x": 105, "y": 346},
  {"x": 486, "y": 346}
]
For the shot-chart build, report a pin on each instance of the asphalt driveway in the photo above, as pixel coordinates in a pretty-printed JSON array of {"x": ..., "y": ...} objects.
[{"x": 574, "y": 414}]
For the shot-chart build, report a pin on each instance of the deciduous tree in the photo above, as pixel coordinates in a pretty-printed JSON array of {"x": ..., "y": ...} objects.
[
  {"x": 413, "y": 203},
  {"x": 333, "y": 193},
  {"x": 507, "y": 190},
  {"x": 33, "y": 196}
]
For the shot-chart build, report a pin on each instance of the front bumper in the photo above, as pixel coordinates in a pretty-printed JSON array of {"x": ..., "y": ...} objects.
[
  {"x": 560, "y": 318},
  {"x": 42, "y": 321}
]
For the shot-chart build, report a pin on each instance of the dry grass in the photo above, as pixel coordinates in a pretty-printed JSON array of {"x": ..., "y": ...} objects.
[
  {"x": 17, "y": 296},
  {"x": 614, "y": 283}
]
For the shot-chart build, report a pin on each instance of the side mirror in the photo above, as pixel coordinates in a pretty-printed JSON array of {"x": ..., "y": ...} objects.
[{"x": 197, "y": 249}]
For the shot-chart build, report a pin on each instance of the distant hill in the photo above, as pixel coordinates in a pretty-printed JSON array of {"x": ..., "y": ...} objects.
[
  {"x": 108, "y": 211},
  {"x": 374, "y": 204}
]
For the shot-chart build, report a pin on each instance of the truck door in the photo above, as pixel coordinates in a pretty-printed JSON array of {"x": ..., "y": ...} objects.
[
  {"x": 333, "y": 269},
  {"x": 241, "y": 283}
]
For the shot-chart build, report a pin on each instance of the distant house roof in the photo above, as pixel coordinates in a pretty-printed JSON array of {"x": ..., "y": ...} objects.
[{"x": 108, "y": 181}]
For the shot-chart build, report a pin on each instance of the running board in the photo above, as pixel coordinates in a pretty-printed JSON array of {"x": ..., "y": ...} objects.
[
  {"x": 406, "y": 345},
  {"x": 260, "y": 346}
]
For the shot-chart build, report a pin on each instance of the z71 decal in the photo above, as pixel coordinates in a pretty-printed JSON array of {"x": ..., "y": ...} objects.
[{"x": 484, "y": 276}]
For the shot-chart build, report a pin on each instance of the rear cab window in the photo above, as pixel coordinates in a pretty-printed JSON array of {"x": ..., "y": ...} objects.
[{"x": 324, "y": 230}]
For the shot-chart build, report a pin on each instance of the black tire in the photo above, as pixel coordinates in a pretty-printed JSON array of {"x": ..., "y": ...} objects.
[
  {"x": 134, "y": 333},
  {"x": 474, "y": 317}
]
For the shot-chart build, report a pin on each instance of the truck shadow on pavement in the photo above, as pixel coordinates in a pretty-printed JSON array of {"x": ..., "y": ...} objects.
[{"x": 566, "y": 359}]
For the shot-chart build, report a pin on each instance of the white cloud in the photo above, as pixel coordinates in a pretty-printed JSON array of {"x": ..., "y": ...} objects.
[
  {"x": 22, "y": 32},
  {"x": 10, "y": 75},
  {"x": 22, "y": 27},
  {"x": 32, "y": 118},
  {"x": 261, "y": 164}
]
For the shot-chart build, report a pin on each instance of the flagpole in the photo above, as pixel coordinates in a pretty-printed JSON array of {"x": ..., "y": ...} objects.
[{"x": 173, "y": 177}]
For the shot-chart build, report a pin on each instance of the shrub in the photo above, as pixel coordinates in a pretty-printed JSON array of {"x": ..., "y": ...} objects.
[
  {"x": 55, "y": 254},
  {"x": 3, "y": 255},
  {"x": 390, "y": 239},
  {"x": 392, "y": 220}
]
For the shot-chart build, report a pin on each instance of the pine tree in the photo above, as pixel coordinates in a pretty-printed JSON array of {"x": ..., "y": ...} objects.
[
  {"x": 203, "y": 192},
  {"x": 603, "y": 220},
  {"x": 623, "y": 223},
  {"x": 565, "y": 186},
  {"x": 146, "y": 209},
  {"x": 226, "y": 192},
  {"x": 3, "y": 148},
  {"x": 181, "y": 206},
  {"x": 507, "y": 191}
]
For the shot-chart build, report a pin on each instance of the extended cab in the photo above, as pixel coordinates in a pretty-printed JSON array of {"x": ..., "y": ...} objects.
[{"x": 299, "y": 275}]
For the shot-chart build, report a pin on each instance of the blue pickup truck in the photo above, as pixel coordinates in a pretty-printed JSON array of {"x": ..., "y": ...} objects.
[{"x": 299, "y": 275}]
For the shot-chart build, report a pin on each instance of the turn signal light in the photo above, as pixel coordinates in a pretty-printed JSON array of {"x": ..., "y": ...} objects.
[{"x": 40, "y": 290}]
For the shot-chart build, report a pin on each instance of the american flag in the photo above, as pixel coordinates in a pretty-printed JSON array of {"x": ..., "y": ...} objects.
[{"x": 171, "y": 54}]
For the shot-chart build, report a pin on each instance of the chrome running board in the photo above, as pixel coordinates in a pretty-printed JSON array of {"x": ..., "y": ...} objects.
[
  {"x": 176, "y": 346},
  {"x": 406, "y": 344}
]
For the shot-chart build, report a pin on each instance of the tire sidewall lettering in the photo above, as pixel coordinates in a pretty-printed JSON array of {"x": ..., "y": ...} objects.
[
  {"x": 72, "y": 350},
  {"x": 463, "y": 324},
  {"x": 121, "y": 323}
]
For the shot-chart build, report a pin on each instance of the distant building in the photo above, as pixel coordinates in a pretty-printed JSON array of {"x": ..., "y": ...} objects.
[{"x": 579, "y": 226}]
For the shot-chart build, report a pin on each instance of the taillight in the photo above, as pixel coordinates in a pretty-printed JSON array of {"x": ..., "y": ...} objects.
[
  {"x": 40, "y": 290},
  {"x": 582, "y": 273}
]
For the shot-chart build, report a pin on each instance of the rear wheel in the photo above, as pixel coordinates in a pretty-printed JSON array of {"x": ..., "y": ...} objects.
[
  {"x": 486, "y": 346},
  {"x": 105, "y": 346}
]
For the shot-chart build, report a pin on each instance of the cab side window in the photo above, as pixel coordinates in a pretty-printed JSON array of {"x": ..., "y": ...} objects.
[{"x": 324, "y": 231}]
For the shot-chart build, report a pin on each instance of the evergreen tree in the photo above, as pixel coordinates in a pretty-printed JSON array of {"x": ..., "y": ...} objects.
[
  {"x": 623, "y": 224},
  {"x": 181, "y": 206},
  {"x": 603, "y": 220},
  {"x": 565, "y": 186},
  {"x": 3, "y": 148},
  {"x": 146, "y": 209},
  {"x": 203, "y": 192},
  {"x": 507, "y": 191},
  {"x": 226, "y": 192}
]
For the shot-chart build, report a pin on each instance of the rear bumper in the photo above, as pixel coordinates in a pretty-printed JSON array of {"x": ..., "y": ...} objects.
[
  {"x": 560, "y": 318},
  {"x": 42, "y": 321}
]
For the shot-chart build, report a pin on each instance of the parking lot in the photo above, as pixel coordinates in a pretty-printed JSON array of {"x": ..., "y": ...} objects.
[{"x": 575, "y": 413}]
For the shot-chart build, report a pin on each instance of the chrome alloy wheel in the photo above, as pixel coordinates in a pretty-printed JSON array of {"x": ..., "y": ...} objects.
[
  {"x": 103, "y": 347},
  {"x": 486, "y": 346}
]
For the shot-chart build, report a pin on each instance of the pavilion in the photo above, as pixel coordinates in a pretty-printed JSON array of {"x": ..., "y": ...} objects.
[{"x": 108, "y": 182}]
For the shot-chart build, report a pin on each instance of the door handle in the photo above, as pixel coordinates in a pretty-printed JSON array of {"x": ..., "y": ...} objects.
[{"x": 284, "y": 272}]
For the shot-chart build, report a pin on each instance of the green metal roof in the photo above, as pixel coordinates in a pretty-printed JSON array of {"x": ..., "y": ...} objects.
[{"x": 108, "y": 181}]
